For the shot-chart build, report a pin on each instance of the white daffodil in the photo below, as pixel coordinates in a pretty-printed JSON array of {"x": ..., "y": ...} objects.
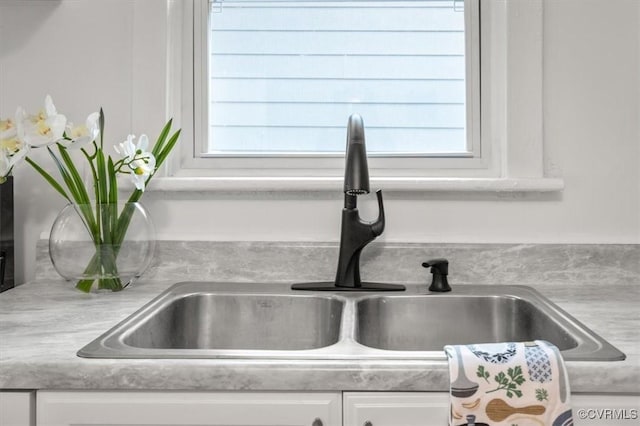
[
  {"x": 81, "y": 135},
  {"x": 140, "y": 162},
  {"x": 43, "y": 129}
]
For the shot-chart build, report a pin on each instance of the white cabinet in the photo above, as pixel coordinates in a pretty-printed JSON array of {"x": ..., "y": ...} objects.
[
  {"x": 17, "y": 408},
  {"x": 431, "y": 408},
  {"x": 396, "y": 408},
  {"x": 271, "y": 408},
  {"x": 605, "y": 410},
  {"x": 188, "y": 408}
]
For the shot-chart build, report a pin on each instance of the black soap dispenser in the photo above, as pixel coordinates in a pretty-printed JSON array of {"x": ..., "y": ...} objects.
[{"x": 440, "y": 270}]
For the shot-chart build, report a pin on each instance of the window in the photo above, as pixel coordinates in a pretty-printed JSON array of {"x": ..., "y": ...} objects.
[
  {"x": 264, "y": 89},
  {"x": 284, "y": 76},
  {"x": 279, "y": 80}
]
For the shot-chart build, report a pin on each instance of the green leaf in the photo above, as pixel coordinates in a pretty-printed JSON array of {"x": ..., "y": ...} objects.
[
  {"x": 65, "y": 176},
  {"x": 48, "y": 178},
  {"x": 166, "y": 150},
  {"x": 102, "y": 197},
  {"x": 94, "y": 174},
  {"x": 113, "y": 196},
  {"x": 542, "y": 394},
  {"x": 511, "y": 383},
  {"x": 75, "y": 175},
  {"x": 72, "y": 181},
  {"x": 113, "y": 182},
  {"x": 85, "y": 285},
  {"x": 482, "y": 373},
  {"x": 162, "y": 138},
  {"x": 101, "y": 125},
  {"x": 102, "y": 177}
]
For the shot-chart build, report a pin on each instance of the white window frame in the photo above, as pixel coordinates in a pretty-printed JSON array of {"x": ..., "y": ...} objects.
[{"x": 508, "y": 119}]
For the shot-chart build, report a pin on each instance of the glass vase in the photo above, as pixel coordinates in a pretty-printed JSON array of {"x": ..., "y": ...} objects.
[{"x": 107, "y": 244}]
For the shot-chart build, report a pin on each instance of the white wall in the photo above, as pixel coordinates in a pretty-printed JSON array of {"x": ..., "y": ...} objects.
[{"x": 90, "y": 53}]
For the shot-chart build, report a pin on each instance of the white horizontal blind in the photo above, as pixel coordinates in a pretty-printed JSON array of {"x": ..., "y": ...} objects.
[{"x": 285, "y": 76}]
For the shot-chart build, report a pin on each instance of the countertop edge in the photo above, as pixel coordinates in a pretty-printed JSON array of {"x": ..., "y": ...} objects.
[{"x": 42, "y": 354}]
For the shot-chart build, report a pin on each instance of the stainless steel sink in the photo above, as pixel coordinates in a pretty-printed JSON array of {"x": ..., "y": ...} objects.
[
  {"x": 426, "y": 323},
  {"x": 233, "y": 321},
  {"x": 259, "y": 320},
  {"x": 197, "y": 319}
]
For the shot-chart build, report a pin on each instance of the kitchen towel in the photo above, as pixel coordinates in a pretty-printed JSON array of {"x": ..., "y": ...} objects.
[{"x": 511, "y": 383}]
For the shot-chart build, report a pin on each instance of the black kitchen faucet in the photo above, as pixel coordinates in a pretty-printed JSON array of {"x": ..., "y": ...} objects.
[{"x": 355, "y": 233}]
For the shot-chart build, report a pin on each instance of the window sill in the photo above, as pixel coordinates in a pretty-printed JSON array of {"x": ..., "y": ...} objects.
[{"x": 318, "y": 184}]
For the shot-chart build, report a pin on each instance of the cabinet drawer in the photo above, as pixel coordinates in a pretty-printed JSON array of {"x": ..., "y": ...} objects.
[
  {"x": 396, "y": 408},
  {"x": 188, "y": 408}
]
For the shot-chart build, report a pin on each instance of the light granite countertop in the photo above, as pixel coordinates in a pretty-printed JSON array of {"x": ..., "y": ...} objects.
[{"x": 43, "y": 323}]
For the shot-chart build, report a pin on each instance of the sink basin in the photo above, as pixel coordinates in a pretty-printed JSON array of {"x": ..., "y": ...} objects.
[
  {"x": 266, "y": 320},
  {"x": 467, "y": 316},
  {"x": 232, "y": 321},
  {"x": 198, "y": 319},
  {"x": 399, "y": 324}
]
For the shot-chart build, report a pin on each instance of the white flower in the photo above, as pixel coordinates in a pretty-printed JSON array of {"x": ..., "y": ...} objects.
[
  {"x": 127, "y": 148},
  {"x": 43, "y": 129},
  {"x": 12, "y": 149},
  {"x": 141, "y": 163},
  {"x": 142, "y": 169},
  {"x": 81, "y": 135},
  {"x": 7, "y": 128}
]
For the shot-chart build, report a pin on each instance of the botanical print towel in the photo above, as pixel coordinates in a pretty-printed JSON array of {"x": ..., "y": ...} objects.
[{"x": 511, "y": 384}]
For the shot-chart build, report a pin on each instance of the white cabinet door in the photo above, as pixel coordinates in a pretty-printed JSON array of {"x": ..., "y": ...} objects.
[
  {"x": 188, "y": 408},
  {"x": 431, "y": 408},
  {"x": 605, "y": 410},
  {"x": 17, "y": 408},
  {"x": 396, "y": 408}
]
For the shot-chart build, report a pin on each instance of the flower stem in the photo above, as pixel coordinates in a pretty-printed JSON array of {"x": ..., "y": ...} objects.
[{"x": 104, "y": 259}]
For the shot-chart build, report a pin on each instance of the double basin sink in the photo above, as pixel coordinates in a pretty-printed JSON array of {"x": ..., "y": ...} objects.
[{"x": 255, "y": 320}]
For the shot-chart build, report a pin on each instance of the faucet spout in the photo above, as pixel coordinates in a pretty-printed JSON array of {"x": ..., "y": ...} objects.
[{"x": 356, "y": 170}]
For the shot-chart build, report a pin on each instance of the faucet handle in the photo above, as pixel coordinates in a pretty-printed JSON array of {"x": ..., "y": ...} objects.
[
  {"x": 378, "y": 226},
  {"x": 440, "y": 270}
]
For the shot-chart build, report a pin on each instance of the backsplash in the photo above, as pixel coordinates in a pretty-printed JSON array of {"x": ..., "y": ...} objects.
[{"x": 526, "y": 264}]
